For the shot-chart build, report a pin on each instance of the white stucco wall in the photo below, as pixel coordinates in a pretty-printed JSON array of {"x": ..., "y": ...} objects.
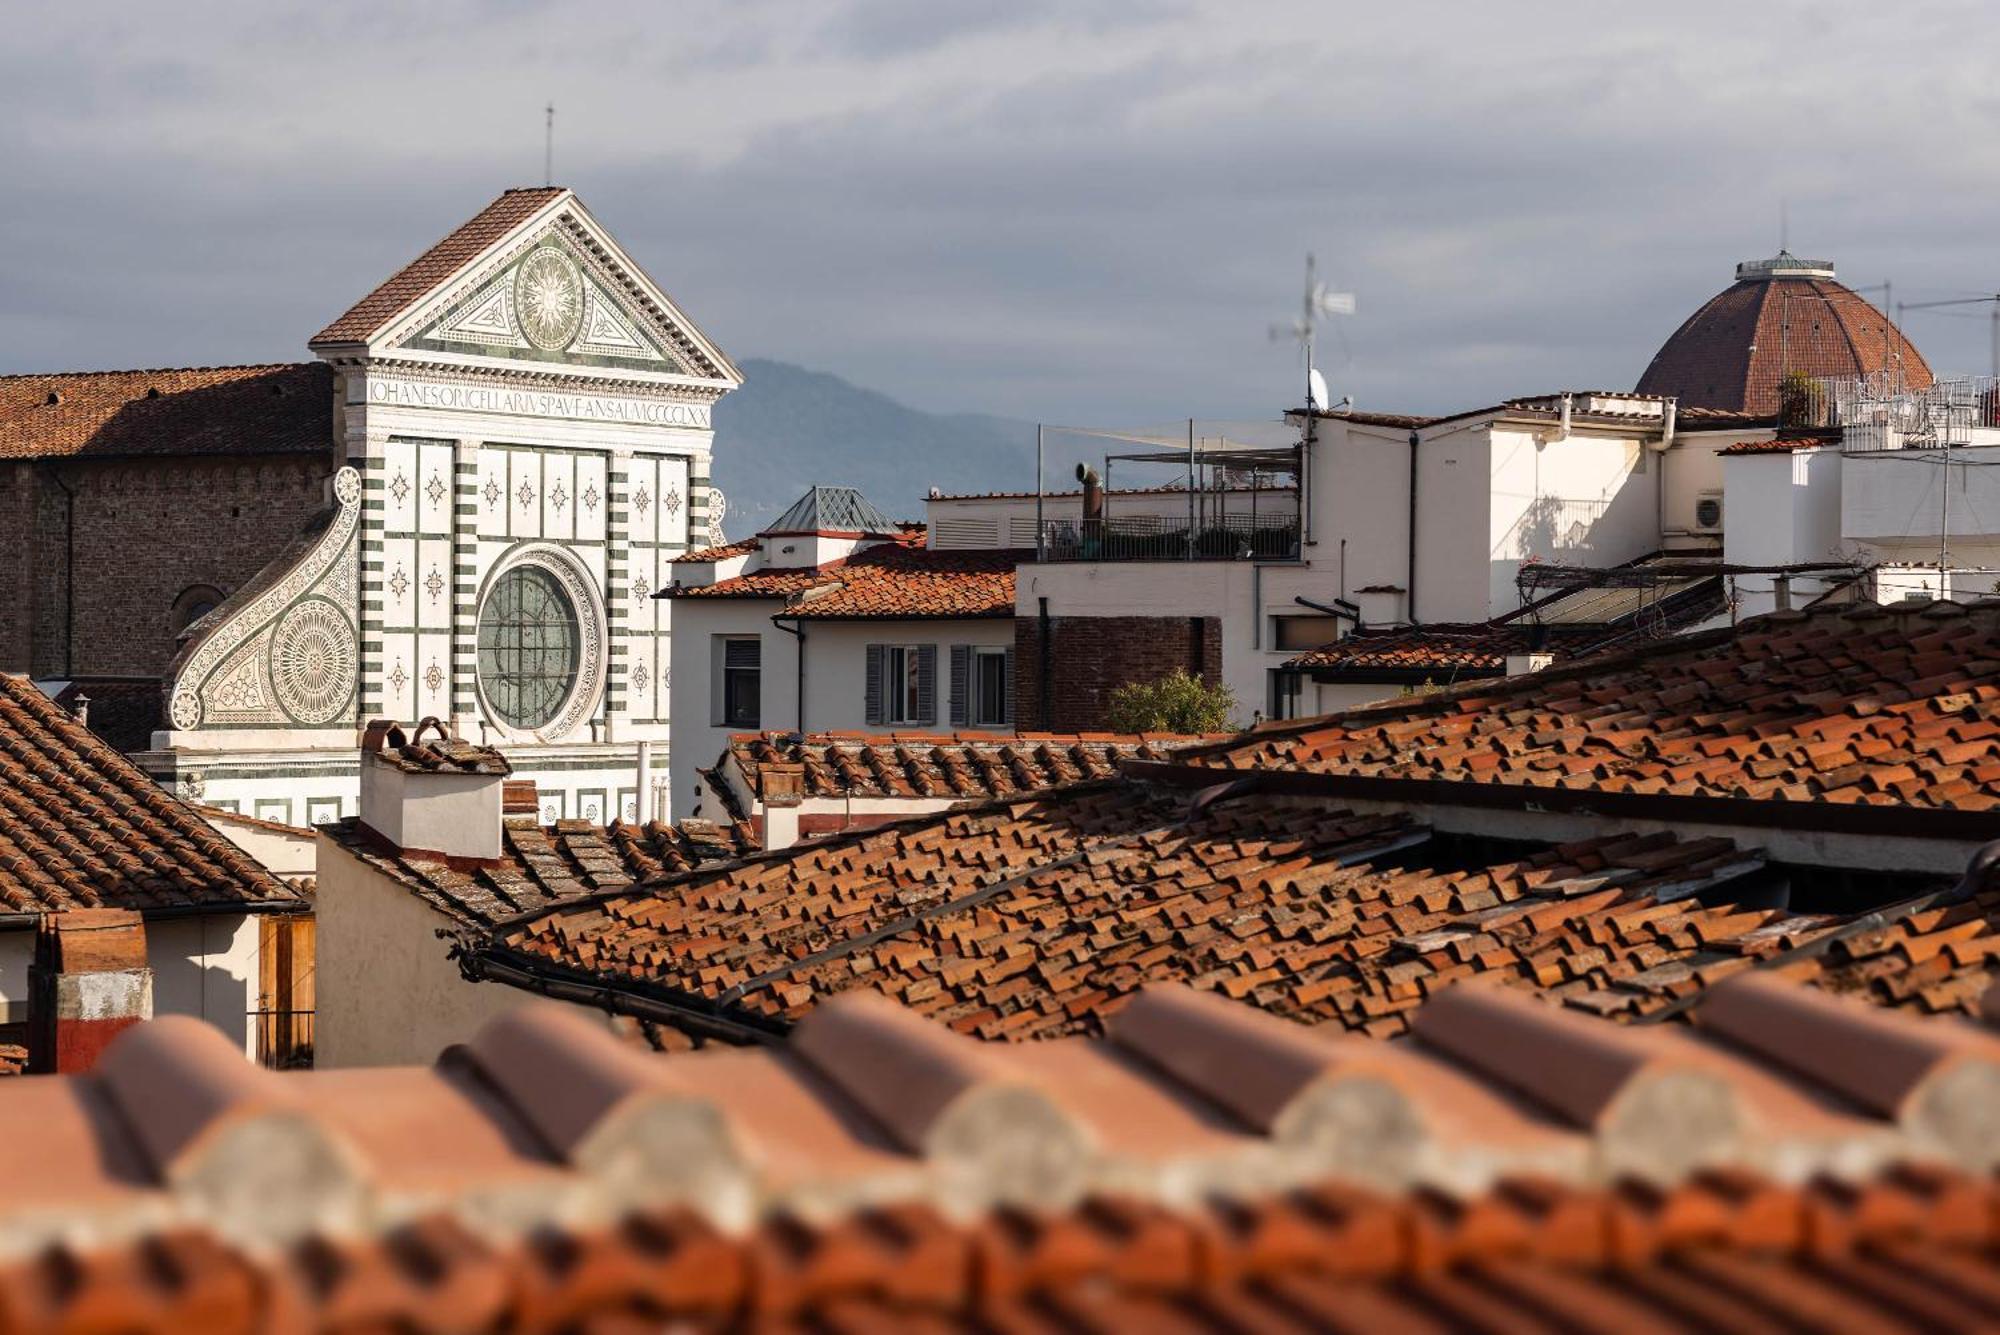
[
  {"x": 837, "y": 667},
  {"x": 697, "y": 737},
  {"x": 17, "y": 952},
  {"x": 1786, "y": 510},
  {"x": 387, "y": 992},
  {"x": 1691, "y": 467},
  {"x": 1589, "y": 500},
  {"x": 1891, "y": 500},
  {"x": 207, "y": 967}
]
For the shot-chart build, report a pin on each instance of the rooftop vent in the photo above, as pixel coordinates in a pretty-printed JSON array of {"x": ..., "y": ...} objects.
[{"x": 55, "y": 397}]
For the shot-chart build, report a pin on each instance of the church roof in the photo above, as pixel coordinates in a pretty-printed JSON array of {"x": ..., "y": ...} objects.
[
  {"x": 198, "y": 410},
  {"x": 425, "y": 272},
  {"x": 833, "y": 509},
  {"x": 1781, "y": 315}
]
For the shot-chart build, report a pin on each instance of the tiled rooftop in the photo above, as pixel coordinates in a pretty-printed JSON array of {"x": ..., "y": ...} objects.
[
  {"x": 1474, "y": 647},
  {"x": 1850, "y": 705},
  {"x": 949, "y": 765},
  {"x": 82, "y": 827},
  {"x": 425, "y": 272},
  {"x": 204, "y": 410},
  {"x": 1787, "y": 444},
  {"x": 1735, "y": 350},
  {"x": 1794, "y": 1163},
  {"x": 542, "y": 865},
  {"x": 901, "y": 580},
  {"x": 707, "y": 555},
  {"x": 1041, "y": 917}
]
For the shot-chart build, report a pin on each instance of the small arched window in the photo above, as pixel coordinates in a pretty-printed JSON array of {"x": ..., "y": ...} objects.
[{"x": 196, "y": 601}]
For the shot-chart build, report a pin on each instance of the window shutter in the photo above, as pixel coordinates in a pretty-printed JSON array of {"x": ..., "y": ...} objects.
[
  {"x": 961, "y": 684},
  {"x": 1007, "y": 687},
  {"x": 927, "y": 683},
  {"x": 874, "y": 689},
  {"x": 742, "y": 653}
]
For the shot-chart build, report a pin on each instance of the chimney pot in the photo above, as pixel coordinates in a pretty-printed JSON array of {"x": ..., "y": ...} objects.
[{"x": 442, "y": 796}]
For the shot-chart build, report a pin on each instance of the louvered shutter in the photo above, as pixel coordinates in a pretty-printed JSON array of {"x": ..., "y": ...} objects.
[
  {"x": 874, "y": 686},
  {"x": 742, "y": 653},
  {"x": 961, "y": 684},
  {"x": 1007, "y": 687},
  {"x": 927, "y": 684}
]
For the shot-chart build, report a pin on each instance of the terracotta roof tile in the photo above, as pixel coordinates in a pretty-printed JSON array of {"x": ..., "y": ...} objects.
[
  {"x": 967, "y": 765},
  {"x": 546, "y": 1177},
  {"x": 543, "y": 865},
  {"x": 901, "y": 580},
  {"x": 1476, "y": 647},
  {"x": 1786, "y": 444},
  {"x": 425, "y": 272},
  {"x": 1733, "y": 352},
  {"x": 1856, "y": 704},
  {"x": 723, "y": 553},
  {"x": 82, "y": 827},
  {"x": 1041, "y": 916},
  {"x": 207, "y": 410}
]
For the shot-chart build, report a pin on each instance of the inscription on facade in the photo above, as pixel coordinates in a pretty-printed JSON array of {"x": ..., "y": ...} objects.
[{"x": 536, "y": 403}]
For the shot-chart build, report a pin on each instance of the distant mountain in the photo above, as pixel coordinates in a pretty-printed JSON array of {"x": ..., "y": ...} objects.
[{"x": 788, "y": 428}]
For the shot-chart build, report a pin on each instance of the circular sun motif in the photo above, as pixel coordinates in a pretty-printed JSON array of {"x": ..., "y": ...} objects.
[
  {"x": 548, "y": 298},
  {"x": 312, "y": 661}
]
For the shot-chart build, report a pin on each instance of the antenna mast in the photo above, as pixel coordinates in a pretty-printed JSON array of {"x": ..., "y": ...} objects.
[
  {"x": 549, "y": 145},
  {"x": 1318, "y": 302}
]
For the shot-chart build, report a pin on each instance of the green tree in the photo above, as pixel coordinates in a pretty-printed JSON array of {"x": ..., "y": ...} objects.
[
  {"x": 1176, "y": 702},
  {"x": 1801, "y": 400}
]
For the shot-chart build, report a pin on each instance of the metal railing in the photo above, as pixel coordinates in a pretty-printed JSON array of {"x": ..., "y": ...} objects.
[
  {"x": 1158, "y": 538},
  {"x": 1875, "y": 415}
]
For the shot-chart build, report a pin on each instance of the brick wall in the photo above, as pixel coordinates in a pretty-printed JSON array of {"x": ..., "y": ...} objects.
[
  {"x": 1089, "y": 657},
  {"x": 146, "y": 531}
]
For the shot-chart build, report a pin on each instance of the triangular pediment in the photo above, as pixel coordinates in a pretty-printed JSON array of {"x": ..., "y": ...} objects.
[{"x": 551, "y": 289}]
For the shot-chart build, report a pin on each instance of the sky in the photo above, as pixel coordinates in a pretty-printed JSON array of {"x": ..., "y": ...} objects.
[{"x": 1079, "y": 211}]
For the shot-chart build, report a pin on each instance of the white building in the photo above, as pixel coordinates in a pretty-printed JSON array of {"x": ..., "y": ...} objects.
[
  {"x": 835, "y": 618},
  {"x": 1901, "y": 482},
  {"x": 523, "y": 419},
  {"x": 82, "y": 830}
]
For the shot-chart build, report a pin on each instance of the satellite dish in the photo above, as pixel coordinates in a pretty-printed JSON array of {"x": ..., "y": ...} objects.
[{"x": 1315, "y": 389}]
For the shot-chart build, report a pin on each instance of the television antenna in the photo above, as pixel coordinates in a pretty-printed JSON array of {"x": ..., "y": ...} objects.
[{"x": 1321, "y": 302}]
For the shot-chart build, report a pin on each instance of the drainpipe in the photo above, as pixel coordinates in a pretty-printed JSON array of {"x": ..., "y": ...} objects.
[
  {"x": 798, "y": 632},
  {"x": 1043, "y": 655},
  {"x": 1410, "y": 577},
  {"x": 69, "y": 571}
]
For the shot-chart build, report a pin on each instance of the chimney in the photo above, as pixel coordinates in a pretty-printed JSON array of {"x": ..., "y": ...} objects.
[
  {"x": 1093, "y": 492},
  {"x": 89, "y": 983},
  {"x": 441, "y": 796}
]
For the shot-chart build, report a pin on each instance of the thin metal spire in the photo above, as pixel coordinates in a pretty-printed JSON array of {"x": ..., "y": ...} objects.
[{"x": 549, "y": 146}]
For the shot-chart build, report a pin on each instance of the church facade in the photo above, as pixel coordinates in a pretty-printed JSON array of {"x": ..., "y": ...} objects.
[{"x": 522, "y": 423}]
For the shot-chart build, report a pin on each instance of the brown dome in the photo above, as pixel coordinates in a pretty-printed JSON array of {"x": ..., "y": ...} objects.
[{"x": 1783, "y": 314}]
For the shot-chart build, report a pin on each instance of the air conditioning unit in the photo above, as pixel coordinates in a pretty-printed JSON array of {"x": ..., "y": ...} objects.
[{"x": 1708, "y": 512}]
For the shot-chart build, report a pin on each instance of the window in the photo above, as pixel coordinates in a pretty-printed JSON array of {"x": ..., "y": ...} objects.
[
  {"x": 1302, "y": 632},
  {"x": 900, "y": 689},
  {"x": 529, "y": 647},
  {"x": 742, "y": 681},
  {"x": 982, "y": 686},
  {"x": 194, "y": 603}
]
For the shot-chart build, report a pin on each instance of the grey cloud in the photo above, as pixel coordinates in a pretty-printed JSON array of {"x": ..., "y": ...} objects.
[{"x": 1094, "y": 227}]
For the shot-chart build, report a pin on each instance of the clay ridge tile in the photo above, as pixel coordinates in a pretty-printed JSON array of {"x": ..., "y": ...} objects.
[{"x": 583, "y": 1179}]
